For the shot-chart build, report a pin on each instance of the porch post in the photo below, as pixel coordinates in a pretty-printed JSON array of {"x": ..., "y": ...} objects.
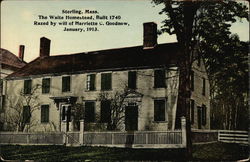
[
  {"x": 71, "y": 126},
  {"x": 63, "y": 127},
  {"x": 183, "y": 131},
  {"x": 81, "y": 132}
]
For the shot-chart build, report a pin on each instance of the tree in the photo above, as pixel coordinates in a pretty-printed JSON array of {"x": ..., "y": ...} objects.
[
  {"x": 230, "y": 85},
  {"x": 77, "y": 114},
  {"x": 194, "y": 22},
  {"x": 18, "y": 116},
  {"x": 117, "y": 107}
]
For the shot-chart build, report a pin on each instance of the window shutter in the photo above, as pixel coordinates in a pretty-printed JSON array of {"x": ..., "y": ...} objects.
[
  {"x": 69, "y": 113},
  {"x": 27, "y": 86},
  {"x": 204, "y": 86},
  {"x": 26, "y": 114},
  {"x": 106, "y": 81},
  {"x": 44, "y": 113},
  {"x": 46, "y": 85},
  {"x": 204, "y": 115},
  {"x": 105, "y": 111},
  {"x": 92, "y": 82},
  {"x": 159, "y": 110},
  {"x": 132, "y": 79},
  {"x": 66, "y": 84},
  {"x": 89, "y": 112},
  {"x": 159, "y": 78},
  {"x": 192, "y": 80},
  {"x": 102, "y": 82},
  {"x": 192, "y": 111}
]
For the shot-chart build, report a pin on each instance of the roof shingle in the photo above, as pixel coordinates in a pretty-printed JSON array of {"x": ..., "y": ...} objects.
[
  {"x": 9, "y": 60},
  {"x": 111, "y": 59}
]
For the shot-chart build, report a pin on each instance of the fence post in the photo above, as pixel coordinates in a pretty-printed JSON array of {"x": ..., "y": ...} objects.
[
  {"x": 27, "y": 138},
  {"x": 183, "y": 131},
  {"x": 81, "y": 132}
]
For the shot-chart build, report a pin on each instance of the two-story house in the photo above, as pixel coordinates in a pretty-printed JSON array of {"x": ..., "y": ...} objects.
[{"x": 148, "y": 75}]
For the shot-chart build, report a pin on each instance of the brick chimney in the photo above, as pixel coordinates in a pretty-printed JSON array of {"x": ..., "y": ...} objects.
[
  {"x": 21, "y": 52},
  {"x": 44, "y": 47},
  {"x": 149, "y": 35}
]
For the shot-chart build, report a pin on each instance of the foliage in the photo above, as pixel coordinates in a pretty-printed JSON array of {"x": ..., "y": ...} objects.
[
  {"x": 77, "y": 114},
  {"x": 117, "y": 107},
  {"x": 14, "y": 115},
  {"x": 224, "y": 54}
]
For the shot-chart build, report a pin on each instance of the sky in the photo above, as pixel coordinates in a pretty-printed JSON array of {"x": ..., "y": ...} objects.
[{"x": 18, "y": 18}]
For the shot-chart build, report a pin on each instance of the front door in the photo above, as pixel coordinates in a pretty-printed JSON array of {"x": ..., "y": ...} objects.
[
  {"x": 199, "y": 117},
  {"x": 131, "y": 118},
  {"x": 66, "y": 115}
]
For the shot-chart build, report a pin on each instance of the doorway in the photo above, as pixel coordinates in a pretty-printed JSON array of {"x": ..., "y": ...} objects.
[
  {"x": 131, "y": 118},
  {"x": 66, "y": 115}
]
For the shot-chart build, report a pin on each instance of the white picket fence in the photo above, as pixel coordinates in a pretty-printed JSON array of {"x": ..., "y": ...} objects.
[
  {"x": 138, "y": 139},
  {"x": 232, "y": 136}
]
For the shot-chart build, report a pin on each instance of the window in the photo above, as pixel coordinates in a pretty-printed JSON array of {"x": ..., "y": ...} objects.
[
  {"x": 204, "y": 115},
  {"x": 90, "y": 82},
  {"x": 89, "y": 112},
  {"x": 159, "y": 110},
  {"x": 203, "y": 86},
  {"x": 26, "y": 114},
  {"x": 44, "y": 113},
  {"x": 192, "y": 111},
  {"x": 27, "y": 86},
  {"x": 191, "y": 80},
  {"x": 132, "y": 79},
  {"x": 66, "y": 84},
  {"x": 159, "y": 78},
  {"x": 45, "y": 85},
  {"x": 106, "y": 81},
  {"x": 105, "y": 111}
]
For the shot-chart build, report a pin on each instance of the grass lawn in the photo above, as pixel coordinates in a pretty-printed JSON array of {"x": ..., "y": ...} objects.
[{"x": 215, "y": 151}]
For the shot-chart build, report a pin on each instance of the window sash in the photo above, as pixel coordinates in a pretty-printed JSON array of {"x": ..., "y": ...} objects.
[
  {"x": 46, "y": 85},
  {"x": 132, "y": 79},
  {"x": 159, "y": 79},
  {"x": 91, "y": 82},
  {"x": 89, "y": 112},
  {"x": 106, "y": 81},
  {"x": 27, "y": 86},
  {"x": 159, "y": 110},
  {"x": 44, "y": 113},
  {"x": 66, "y": 84},
  {"x": 105, "y": 111}
]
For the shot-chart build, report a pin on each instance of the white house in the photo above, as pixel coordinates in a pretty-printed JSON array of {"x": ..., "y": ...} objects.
[{"x": 148, "y": 75}]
